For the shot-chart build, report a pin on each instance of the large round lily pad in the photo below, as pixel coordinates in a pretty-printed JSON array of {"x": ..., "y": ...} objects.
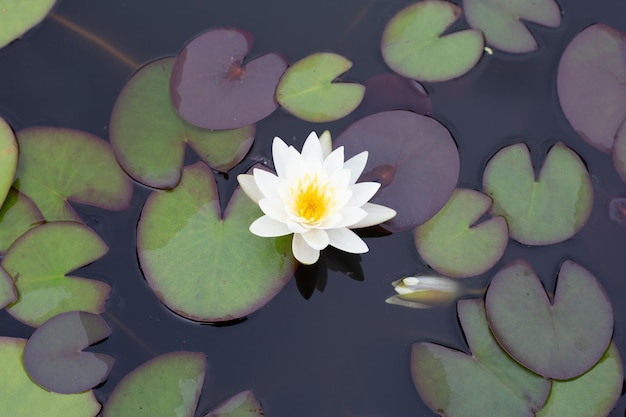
[
  {"x": 166, "y": 386},
  {"x": 38, "y": 262},
  {"x": 561, "y": 339},
  {"x": 547, "y": 210},
  {"x": 18, "y": 214},
  {"x": 18, "y": 16},
  {"x": 8, "y": 157},
  {"x": 148, "y": 136},
  {"x": 83, "y": 170},
  {"x": 413, "y": 157},
  {"x": 243, "y": 404},
  {"x": 54, "y": 359},
  {"x": 590, "y": 84},
  {"x": 212, "y": 88},
  {"x": 454, "y": 245},
  {"x": 21, "y": 397},
  {"x": 413, "y": 45},
  {"x": 306, "y": 89},
  {"x": 487, "y": 383},
  {"x": 204, "y": 266}
]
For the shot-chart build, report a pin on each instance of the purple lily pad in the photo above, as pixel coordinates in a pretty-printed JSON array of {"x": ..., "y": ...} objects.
[
  {"x": 617, "y": 210},
  {"x": 53, "y": 355},
  {"x": 212, "y": 88},
  {"x": 392, "y": 92},
  {"x": 415, "y": 159}
]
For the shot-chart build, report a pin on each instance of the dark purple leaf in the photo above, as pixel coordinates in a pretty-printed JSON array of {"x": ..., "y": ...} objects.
[{"x": 392, "y": 92}]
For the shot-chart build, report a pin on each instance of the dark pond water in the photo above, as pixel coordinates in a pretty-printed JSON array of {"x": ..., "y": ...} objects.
[{"x": 343, "y": 352}]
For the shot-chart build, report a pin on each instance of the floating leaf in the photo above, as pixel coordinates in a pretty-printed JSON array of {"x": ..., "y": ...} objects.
[
  {"x": 412, "y": 156},
  {"x": 8, "y": 155},
  {"x": 413, "y": 45},
  {"x": 205, "y": 267},
  {"x": 559, "y": 340},
  {"x": 8, "y": 292},
  {"x": 548, "y": 210},
  {"x": 21, "y": 397},
  {"x": 500, "y": 21},
  {"x": 166, "y": 386},
  {"x": 306, "y": 89},
  {"x": 17, "y": 215},
  {"x": 617, "y": 210},
  {"x": 592, "y": 394},
  {"x": 392, "y": 92},
  {"x": 53, "y": 355},
  {"x": 148, "y": 136},
  {"x": 243, "y": 404},
  {"x": 18, "y": 16},
  {"x": 451, "y": 242},
  {"x": 488, "y": 383},
  {"x": 590, "y": 84},
  {"x": 83, "y": 170},
  {"x": 38, "y": 262},
  {"x": 211, "y": 88}
]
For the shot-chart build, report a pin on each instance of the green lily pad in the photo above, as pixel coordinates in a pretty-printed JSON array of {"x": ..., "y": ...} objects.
[
  {"x": 204, "y": 266},
  {"x": 307, "y": 89},
  {"x": 413, "y": 45},
  {"x": 54, "y": 359},
  {"x": 8, "y": 156},
  {"x": 488, "y": 383},
  {"x": 166, "y": 386},
  {"x": 548, "y": 210},
  {"x": 148, "y": 136},
  {"x": 451, "y": 242},
  {"x": 243, "y": 404},
  {"x": 21, "y": 397},
  {"x": 18, "y": 214},
  {"x": 500, "y": 21},
  {"x": 561, "y": 339},
  {"x": 83, "y": 170},
  {"x": 593, "y": 394},
  {"x": 18, "y": 16},
  {"x": 38, "y": 262},
  {"x": 8, "y": 292}
]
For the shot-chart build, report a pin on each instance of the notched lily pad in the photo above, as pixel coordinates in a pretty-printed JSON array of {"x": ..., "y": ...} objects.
[
  {"x": 452, "y": 243},
  {"x": 54, "y": 359},
  {"x": 8, "y": 292},
  {"x": 38, "y": 262},
  {"x": 413, "y": 45},
  {"x": 166, "y": 386},
  {"x": 561, "y": 339},
  {"x": 413, "y": 157},
  {"x": 500, "y": 21},
  {"x": 213, "y": 89},
  {"x": 205, "y": 266},
  {"x": 243, "y": 404},
  {"x": 8, "y": 156},
  {"x": 18, "y": 16},
  {"x": 548, "y": 210},
  {"x": 148, "y": 136},
  {"x": 18, "y": 214},
  {"x": 307, "y": 90}
]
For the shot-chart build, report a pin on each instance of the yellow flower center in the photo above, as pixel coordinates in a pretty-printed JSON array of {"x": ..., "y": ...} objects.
[{"x": 312, "y": 200}]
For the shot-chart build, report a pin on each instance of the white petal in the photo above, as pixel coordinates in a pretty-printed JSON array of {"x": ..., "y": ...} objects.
[
  {"x": 265, "y": 226},
  {"x": 326, "y": 143},
  {"x": 274, "y": 208},
  {"x": 316, "y": 238},
  {"x": 350, "y": 215},
  {"x": 279, "y": 154},
  {"x": 295, "y": 166},
  {"x": 376, "y": 214},
  {"x": 248, "y": 185},
  {"x": 334, "y": 161},
  {"x": 312, "y": 150},
  {"x": 356, "y": 165},
  {"x": 346, "y": 240},
  {"x": 362, "y": 192},
  {"x": 296, "y": 227},
  {"x": 268, "y": 183},
  {"x": 303, "y": 252}
]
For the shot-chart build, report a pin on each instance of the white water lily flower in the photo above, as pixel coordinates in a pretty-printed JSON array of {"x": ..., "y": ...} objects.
[{"x": 314, "y": 195}]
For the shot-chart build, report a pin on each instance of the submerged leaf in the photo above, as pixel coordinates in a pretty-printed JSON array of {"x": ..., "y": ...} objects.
[{"x": 243, "y": 404}]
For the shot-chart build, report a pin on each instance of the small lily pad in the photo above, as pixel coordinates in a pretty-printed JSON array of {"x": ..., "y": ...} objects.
[
  {"x": 308, "y": 92},
  {"x": 54, "y": 359},
  {"x": 166, "y": 386},
  {"x": 38, "y": 262},
  {"x": 590, "y": 85},
  {"x": 18, "y": 16},
  {"x": 148, "y": 136},
  {"x": 8, "y": 292},
  {"x": 548, "y": 210},
  {"x": 487, "y": 383},
  {"x": 243, "y": 404},
  {"x": 212, "y": 88},
  {"x": 8, "y": 155},
  {"x": 413, "y": 157},
  {"x": 204, "y": 266},
  {"x": 452, "y": 243},
  {"x": 561, "y": 339},
  {"x": 500, "y": 21},
  {"x": 385, "y": 92},
  {"x": 83, "y": 170},
  {"x": 413, "y": 45},
  {"x": 21, "y": 397},
  {"x": 18, "y": 214}
]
